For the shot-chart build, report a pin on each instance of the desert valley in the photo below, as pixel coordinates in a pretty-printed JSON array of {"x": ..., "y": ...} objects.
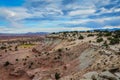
[
  {"x": 59, "y": 39},
  {"x": 72, "y": 55}
]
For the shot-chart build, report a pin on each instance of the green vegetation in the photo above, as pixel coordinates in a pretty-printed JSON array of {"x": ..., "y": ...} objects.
[
  {"x": 114, "y": 41},
  {"x": 105, "y": 44},
  {"x": 10, "y": 49},
  {"x": 59, "y": 50},
  {"x": 24, "y": 63},
  {"x": 7, "y": 63},
  {"x": 93, "y": 77},
  {"x": 30, "y": 65},
  {"x": 16, "y": 48},
  {"x": 81, "y": 37},
  {"x": 107, "y": 33},
  {"x": 26, "y": 45},
  {"x": 90, "y": 41},
  {"x": 90, "y": 35},
  {"x": 2, "y": 47},
  {"x": 116, "y": 34},
  {"x": 16, "y": 59},
  {"x": 6, "y": 50},
  {"x": 88, "y": 31},
  {"x": 99, "y": 40},
  {"x": 104, "y": 33},
  {"x": 112, "y": 36},
  {"x": 100, "y": 34},
  {"x": 109, "y": 38},
  {"x": 53, "y": 33},
  {"x": 57, "y": 76},
  {"x": 115, "y": 38}
]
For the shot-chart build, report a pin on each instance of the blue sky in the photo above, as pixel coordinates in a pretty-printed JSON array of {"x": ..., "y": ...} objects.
[{"x": 20, "y": 16}]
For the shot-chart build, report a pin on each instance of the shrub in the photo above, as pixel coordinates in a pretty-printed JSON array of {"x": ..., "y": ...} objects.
[
  {"x": 100, "y": 34},
  {"x": 114, "y": 41},
  {"x": 27, "y": 56},
  {"x": 31, "y": 63},
  {"x": 93, "y": 77},
  {"x": 16, "y": 48},
  {"x": 99, "y": 40},
  {"x": 29, "y": 66},
  {"x": 6, "y": 63},
  {"x": 105, "y": 44},
  {"x": 10, "y": 49},
  {"x": 97, "y": 31},
  {"x": 57, "y": 76},
  {"x": 116, "y": 36},
  {"x": 90, "y": 41},
  {"x": 109, "y": 38},
  {"x": 59, "y": 50},
  {"x": 6, "y": 50},
  {"x": 53, "y": 33},
  {"x": 81, "y": 37},
  {"x": 55, "y": 58},
  {"x": 2, "y": 47},
  {"x": 89, "y": 35},
  {"x": 108, "y": 34},
  {"x": 16, "y": 59},
  {"x": 24, "y": 63},
  {"x": 88, "y": 31}
]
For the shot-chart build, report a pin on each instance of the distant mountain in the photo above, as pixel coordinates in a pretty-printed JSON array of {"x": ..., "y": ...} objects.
[
  {"x": 112, "y": 29},
  {"x": 24, "y": 34},
  {"x": 36, "y": 33},
  {"x": 45, "y": 33}
]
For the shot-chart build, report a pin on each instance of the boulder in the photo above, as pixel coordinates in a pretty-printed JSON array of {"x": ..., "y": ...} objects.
[
  {"x": 89, "y": 75},
  {"x": 108, "y": 75}
]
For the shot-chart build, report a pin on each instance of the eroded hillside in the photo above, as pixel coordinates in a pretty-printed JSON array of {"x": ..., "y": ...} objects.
[{"x": 65, "y": 56}]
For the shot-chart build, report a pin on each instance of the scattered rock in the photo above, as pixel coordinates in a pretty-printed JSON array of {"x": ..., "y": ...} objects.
[{"x": 90, "y": 74}]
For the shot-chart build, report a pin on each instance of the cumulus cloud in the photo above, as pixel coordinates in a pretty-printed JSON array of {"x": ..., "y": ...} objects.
[
  {"x": 69, "y": 14},
  {"x": 110, "y": 27},
  {"x": 14, "y": 15},
  {"x": 92, "y": 23},
  {"x": 82, "y": 12}
]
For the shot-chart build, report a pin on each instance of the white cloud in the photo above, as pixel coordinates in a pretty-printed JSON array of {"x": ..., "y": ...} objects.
[
  {"x": 111, "y": 27},
  {"x": 4, "y": 29},
  {"x": 15, "y": 13},
  {"x": 57, "y": 29},
  {"x": 82, "y": 21},
  {"x": 5, "y": 12},
  {"x": 82, "y": 12},
  {"x": 117, "y": 10},
  {"x": 42, "y": 29},
  {"x": 56, "y": 11},
  {"x": 44, "y": 7}
]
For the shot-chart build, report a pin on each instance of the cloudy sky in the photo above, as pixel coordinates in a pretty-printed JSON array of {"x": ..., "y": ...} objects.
[{"x": 20, "y": 16}]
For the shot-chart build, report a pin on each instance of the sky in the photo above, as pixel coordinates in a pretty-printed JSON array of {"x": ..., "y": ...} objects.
[{"x": 21, "y": 16}]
